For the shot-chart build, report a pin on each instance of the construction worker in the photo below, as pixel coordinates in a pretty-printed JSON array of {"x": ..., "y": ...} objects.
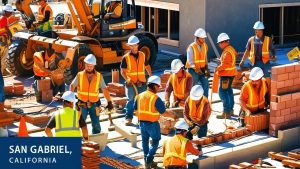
[
  {"x": 67, "y": 122},
  {"x": 88, "y": 83},
  {"x": 148, "y": 107},
  {"x": 196, "y": 63},
  {"x": 176, "y": 148},
  {"x": 197, "y": 111},
  {"x": 5, "y": 35},
  {"x": 259, "y": 49},
  {"x": 180, "y": 83},
  {"x": 114, "y": 10},
  {"x": 133, "y": 66},
  {"x": 255, "y": 94},
  {"x": 45, "y": 17},
  {"x": 226, "y": 72}
]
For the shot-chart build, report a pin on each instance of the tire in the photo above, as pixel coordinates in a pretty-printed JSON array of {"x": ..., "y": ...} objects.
[
  {"x": 77, "y": 64},
  {"x": 14, "y": 58},
  {"x": 147, "y": 46}
]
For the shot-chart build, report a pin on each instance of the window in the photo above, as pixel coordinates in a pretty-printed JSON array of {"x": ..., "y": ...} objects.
[{"x": 174, "y": 34}]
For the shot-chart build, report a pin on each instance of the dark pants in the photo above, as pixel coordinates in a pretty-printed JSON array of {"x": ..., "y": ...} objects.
[{"x": 226, "y": 93}]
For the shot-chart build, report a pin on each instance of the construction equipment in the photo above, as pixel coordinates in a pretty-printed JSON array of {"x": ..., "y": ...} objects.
[{"x": 106, "y": 39}]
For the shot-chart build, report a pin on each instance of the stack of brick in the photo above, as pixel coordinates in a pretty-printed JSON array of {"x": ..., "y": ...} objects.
[
  {"x": 167, "y": 123},
  {"x": 116, "y": 89},
  {"x": 164, "y": 79},
  {"x": 240, "y": 78},
  {"x": 45, "y": 94},
  {"x": 292, "y": 160},
  {"x": 285, "y": 97},
  {"x": 7, "y": 118},
  {"x": 37, "y": 119},
  {"x": 16, "y": 88},
  {"x": 116, "y": 164},
  {"x": 119, "y": 102},
  {"x": 90, "y": 155},
  {"x": 257, "y": 122}
]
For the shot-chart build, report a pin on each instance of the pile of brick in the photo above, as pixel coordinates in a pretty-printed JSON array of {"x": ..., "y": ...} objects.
[
  {"x": 116, "y": 89},
  {"x": 241, "y": 77},
  {"x": 119, "y": 102},
  {"x": 167, "y": 124},
  {"x": 257, "y": 122},
  {"x": 116, "y": 164},
  {"x": 164, "y": 79},
  {"x": 37, "y": 119},
  {"x": 221, "y": 137},
  {"x": 16, "y": 88},
  {"x": 246, "y": 165},
  {"x": 285, "y": 97},
  {"x": 7, "y": 118},
  {"x": 90, "y": 155},
  {"x": 292, "y": 160},
  {"x": 45, "y": 94}
]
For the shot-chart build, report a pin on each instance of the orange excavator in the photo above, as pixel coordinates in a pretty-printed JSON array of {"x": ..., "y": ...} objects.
[{"x": 106, "y": 39}]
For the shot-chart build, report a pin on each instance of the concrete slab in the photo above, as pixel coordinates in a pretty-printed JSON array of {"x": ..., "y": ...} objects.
[
  {"x": 289, "y": 138},
  {"x": 206, "y": 162}
]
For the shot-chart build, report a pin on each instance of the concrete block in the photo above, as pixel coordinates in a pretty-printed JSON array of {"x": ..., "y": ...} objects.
[
  {"x": 290, "y": 138},
  {"x": 206, "y": 162}
]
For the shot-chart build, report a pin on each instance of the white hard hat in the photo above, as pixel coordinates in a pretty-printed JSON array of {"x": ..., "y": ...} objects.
[
  {"x": 8, "y": 8},
  {"x": 181, "y": 125},
  {"x": 200, "y": 33},
  {"x": 69, "y": 96},
  {"x": 132, "y": 40},
  {"x": 154, "y": 79},
  {"x": 222, "y": 37},
  {"x": 256, "y": 73},
  {"x": 258, "y": 25},
  {"x": 176, "y": 65},
  {"x": 196, "y": 92},
  {"x": 90, "y": 59}
]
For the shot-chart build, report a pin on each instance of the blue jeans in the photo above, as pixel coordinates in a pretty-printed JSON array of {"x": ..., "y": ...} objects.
[
  {"x": 130, "y": 94},
  {"x": 202, "y": 132},
  {"x": 150, "y": 129},
  {"x": 226, "y": 93},
  {"x": 94, "y": 118},
  {"x": 2, "y": 96},
  {"x": 199, "y": 79},
  {"x": 265, "y": 67}
]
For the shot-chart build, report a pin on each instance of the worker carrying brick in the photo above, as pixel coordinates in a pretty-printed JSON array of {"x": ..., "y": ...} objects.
[
  {"x": 148, "y": 107},
  {"x": 197, "y": 60},
  {"x": 88, "y": 83},
  {"x": 45, "y": 17},
  {"x": 197, "y": 111},
  {"x": 255, "y": 94},
  {"x": 67, "y": 121},
  {"x": 226, "y": 72},
  {"x": 133, "y": 66},
  {"x": 260, "y": 50},
  {"x": 114, "y": 10},
  {"x": 176, "y": 148},
  {"x": 180, "y": 83}
]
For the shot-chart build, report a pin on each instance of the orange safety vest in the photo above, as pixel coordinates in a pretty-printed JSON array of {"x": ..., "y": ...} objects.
[
  {"x": 196, "y": 113},
  {"x": 179, "y": 87},
  {"x": 88, "y": 91},
  {"x": 265, "y": 51},
  {"x": 41, "y": 14},
  {"x": 2, "y": 29},
  {"x": 231, "y": 70},
  {"x": 136, "y": 67},
  {"x": 38, "y": 57},
  {"x": 146, "y": 109},
  {"x": 200, "y": 58},
  {"x": 175, "y": 148},
  {"x": 256, "y": 100}
]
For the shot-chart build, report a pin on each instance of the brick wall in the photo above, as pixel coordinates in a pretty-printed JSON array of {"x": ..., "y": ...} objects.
[{"x": 285, "y": 97}]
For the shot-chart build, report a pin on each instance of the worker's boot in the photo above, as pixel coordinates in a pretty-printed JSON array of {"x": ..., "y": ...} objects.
[
  {"x": 231, "y": 113},
  {"x": 151, "y": 165},
  {"x": 223, "y": 116},
  {"x": 128, "y": 122}
]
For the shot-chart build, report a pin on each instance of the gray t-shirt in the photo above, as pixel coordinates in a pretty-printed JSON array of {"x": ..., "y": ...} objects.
[
  {"x": 258, "y": 46},
  {"x": 102, "y": 83}
]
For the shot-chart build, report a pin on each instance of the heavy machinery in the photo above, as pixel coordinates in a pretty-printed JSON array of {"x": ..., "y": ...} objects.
[{"x": 106, "y": 39}]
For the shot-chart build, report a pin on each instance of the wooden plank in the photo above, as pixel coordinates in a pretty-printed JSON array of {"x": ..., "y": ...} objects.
[{"x": 131, "y": 137}]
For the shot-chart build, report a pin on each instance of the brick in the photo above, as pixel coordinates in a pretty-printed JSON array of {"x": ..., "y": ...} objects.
[
  {"x": 297, "y": 67},
  {"x": 287, "y": 118},
  {"x": 275, "y": 78},
  {"x": 295, "y": 109},
  {"x": 275, "y": 113},
  {"x": 289, "y": 68},
  {"x": 275, "y": 98},
  {"x": 274, "y": 91},
  {"x": 280, "y": 85},
  {"x": 291, "y": 103},
  {"x": 293, "y": 75},
  {"x": 277, "y": 106},
  {"x": 283, "y": 91},
  {"x": 283, "y": 77},
  {"x": 273, "y": 120},
  {"x": 296, "y": 96},
  {"x": 275, "y": 126},
  {"x": 278, "y": 70},
  {"x": 286, "y": 97},
  {"x": 273, "y": 133},
  {"x": 285, "y": 112},
  {"x": 296, "y": 81},
  {"x": 43, "y": 84},
  {"x": 298, "y": 115},
  {"x": 293, "y": 116},
  {"x": 279, "y": 119},
  {"x": 298, "y": 101},
  {"x": 288, "y": 83}
]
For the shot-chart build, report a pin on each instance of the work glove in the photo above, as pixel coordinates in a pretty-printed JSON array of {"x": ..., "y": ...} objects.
[
  {"x": 129, "y": 82},
  {"x": 207, "y": 73},
  {"x": 167, "y": 104},
  {"x": 274, "y": 58},
  {"x": 247, "y": 112},
  {"x": 195, "y": 130},
  {"x": 176, "y": 104},
  {"x": 241, "y": 64},
  {"x": 109, "y": 106}
]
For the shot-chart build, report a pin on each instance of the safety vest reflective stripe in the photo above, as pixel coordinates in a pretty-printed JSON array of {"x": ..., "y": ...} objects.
[
  {"x": 178, "y": 87},
  {"x": 265, "y": 50},
  {"x": 181, "y": 155},
  {"x": 69, "y": 127},
  {"x": 146, "y": 110},
  {"x": 199, "y": 58},
  {"x": 253, "y": 95},
  {"x": 88, "y": 91},
  {"x": 233, "y": 55},
  {"x": 136, "y": 67},
  {"x": 194, "y": 112}
]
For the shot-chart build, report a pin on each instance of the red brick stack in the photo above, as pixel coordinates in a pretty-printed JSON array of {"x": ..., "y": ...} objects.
[
  {"x": 116, "y": 89},
  {"x": 240, "y": 78},
  {"x": 257, "y": 122},
  {"x": 17, "y": 88},
  {"x": 119, "y": 102},
  {"x": 7, "y": 118},
  {"x": 167, "y": 124},
  {"x": 116, "y": 164},
  {"x": 164, "y": 79},
  {"x": 45, "y": 93},
  {"x": 285, "y": 97},
  {"x": 90, "y": 155},
  {"x": 37, "y": 119}
]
